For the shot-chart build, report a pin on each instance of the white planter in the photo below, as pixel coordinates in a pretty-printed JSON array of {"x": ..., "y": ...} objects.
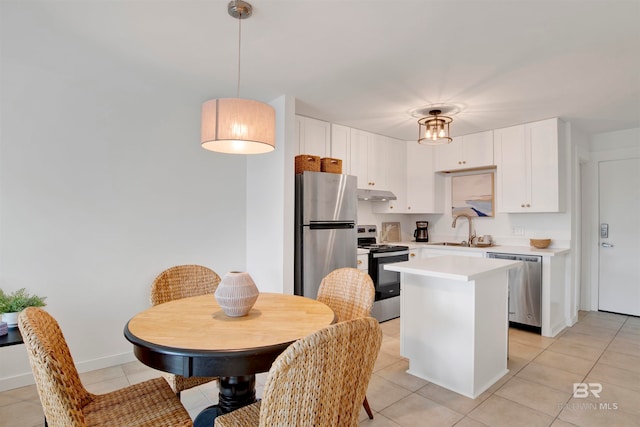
[
  {"x": 11, "y": 319},
  {"x": 236, "y": 294}
]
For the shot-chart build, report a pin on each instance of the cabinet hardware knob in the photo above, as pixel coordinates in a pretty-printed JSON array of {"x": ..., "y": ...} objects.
[
  {"x": 528, "y": 205},
  {"x": 390, "y": 207},
  {"x": 408, "y": 207},
  {"x": 359, "y": 261},
  {"x": 464, "y": 162},
  {"x": 522, "y": 206},
  {"x": 412, "y": 255}
]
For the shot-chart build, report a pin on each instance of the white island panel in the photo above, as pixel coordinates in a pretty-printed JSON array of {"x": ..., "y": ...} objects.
[{"x": 454, "y": 322}]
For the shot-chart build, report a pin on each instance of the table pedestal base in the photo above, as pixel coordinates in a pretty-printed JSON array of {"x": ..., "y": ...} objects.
[{"x": 235, "y": 392}]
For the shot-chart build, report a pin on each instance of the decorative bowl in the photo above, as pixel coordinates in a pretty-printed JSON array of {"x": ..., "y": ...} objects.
[{"x": 540, "y": 243}]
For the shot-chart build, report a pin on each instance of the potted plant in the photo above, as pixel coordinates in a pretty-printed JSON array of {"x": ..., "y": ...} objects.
[{"x": 13, "y": 303}]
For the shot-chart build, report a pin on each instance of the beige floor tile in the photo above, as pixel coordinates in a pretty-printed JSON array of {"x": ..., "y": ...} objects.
[
  {"x": 135, "y": 367},
  {"x": 631, "y": 337},
  {"x": 551, "y": 377},
  {"x": 565, "y": 362},
  {"x": 601, "y": 315},
  {"x": 559, "y": 423},
  {"x": 100, "y": 375},
  {"x": 577, "y": 350},
  {"x": 574, "y": 337},
  {"x": 630, "y": 328},
  {"x": 21, "y": 414},
  {"x": 515, "y": 364},
  {"x": 610, "y": 374},
  {"x": 523, "y": 351},
  {"x": 415, "y": 410},
  {"x": 604, "y": 322},
  {"x": 613, "y": 396},
  {"x": 625, "y": 346},
  {"x": 397, "y": 374},
  {"x": 193, "y": 398},
  {"x": 529, "y": 338},
  {"x": 386, "y": 359},
  {"x": 391, "y": 328},
  {"x": 535, "y": 396},
  {"x": 19, "y": 394},
  {"x": 382, "y": 393},
  {"x": 625, "y": 361},
  {"x": 390, "y": 345},
  {"x": 141, "y": 376},
  {"x": 469, "y": 422},
  {"x": 378, "y": 420},
  {"x": 454, "y": 401},
  {"x": 592, "y": 330},
  {"x": 108, "y": 385},
  {"x": 497, "y": 412}
]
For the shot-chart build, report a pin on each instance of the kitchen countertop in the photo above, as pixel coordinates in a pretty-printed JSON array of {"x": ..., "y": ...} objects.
[
  {"x": 507, "y": 249},
  {"x": 453, "y": 267}
]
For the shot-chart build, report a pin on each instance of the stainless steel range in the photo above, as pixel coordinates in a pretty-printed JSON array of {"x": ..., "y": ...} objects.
[{"x": 387, "y": 283}]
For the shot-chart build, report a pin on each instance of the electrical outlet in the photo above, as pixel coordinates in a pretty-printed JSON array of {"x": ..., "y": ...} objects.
[{"x": 518, "y": 231}]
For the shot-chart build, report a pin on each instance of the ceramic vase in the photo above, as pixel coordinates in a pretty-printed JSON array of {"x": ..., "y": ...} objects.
[{"x": 236, "y": 293}]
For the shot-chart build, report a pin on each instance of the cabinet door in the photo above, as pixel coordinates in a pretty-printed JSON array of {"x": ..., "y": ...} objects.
[
  {"x": 543, "y": 169},
  {"x": 378, "y": 162},
  {"x": 448, "y": 156},
  {"x": 341, "y": 146},
  {"x": 314, "y": 136},
  {"x": 396, "y": 166},
  {"x": 512, "y": 164},
  {"x": 425, "y": 188},
  {"x": 358, "y": 154},
  {"x": 477, "y": 150}
]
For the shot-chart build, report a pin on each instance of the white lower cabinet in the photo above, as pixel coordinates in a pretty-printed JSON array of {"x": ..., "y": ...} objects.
[{"x": 363, "y": 262}]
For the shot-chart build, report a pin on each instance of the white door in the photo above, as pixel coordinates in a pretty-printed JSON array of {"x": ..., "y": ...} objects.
[{"x": 619, "y": 260}]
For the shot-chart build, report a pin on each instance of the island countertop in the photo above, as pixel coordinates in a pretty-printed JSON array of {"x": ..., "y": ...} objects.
[{"x": 453, "y": 267}]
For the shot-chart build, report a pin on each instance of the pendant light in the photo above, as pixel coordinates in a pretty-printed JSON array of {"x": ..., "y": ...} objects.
[
  {"x": 434, "y": 129},
  {"x": 235, "y": 125}
]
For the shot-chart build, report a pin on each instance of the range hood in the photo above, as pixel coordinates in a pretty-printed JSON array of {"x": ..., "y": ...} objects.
[{"x": 376, "y": 195}]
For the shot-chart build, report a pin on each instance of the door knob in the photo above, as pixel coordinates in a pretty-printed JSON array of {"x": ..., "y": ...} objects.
[{"x": 607, "y": 245}]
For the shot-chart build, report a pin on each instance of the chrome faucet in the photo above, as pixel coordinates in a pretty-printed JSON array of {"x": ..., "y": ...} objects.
[{"x": 471, "y": 233}]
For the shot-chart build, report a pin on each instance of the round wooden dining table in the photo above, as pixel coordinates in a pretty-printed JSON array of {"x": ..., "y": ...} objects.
[{"x": 193, "y": 337}]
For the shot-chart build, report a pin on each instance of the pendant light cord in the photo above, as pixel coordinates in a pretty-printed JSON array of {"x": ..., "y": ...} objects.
[{"x": 239, "y": 50}]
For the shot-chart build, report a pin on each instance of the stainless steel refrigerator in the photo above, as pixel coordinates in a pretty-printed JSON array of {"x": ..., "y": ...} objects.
[{"x": 325, "y": 235}]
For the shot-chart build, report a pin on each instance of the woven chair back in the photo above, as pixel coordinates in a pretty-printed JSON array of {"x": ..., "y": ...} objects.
[
  {"x": 321, "y": 380},
  {"x": 61, "y": 392},
  {"x": 183, "y": 281},
  {"x": 349, "y": 292}
]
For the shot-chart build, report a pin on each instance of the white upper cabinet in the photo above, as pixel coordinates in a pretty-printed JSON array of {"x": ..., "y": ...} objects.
[
  {"x": 368, "y": 154},
  {"x": 314, "y": 136},
  {"x": 528, "y": 159},
  {"x": 466, "y": 152},
  {"x": 425, "y": 188},
  {"x": 341, "y": 146},
  {"x": 396, "y": 165}
]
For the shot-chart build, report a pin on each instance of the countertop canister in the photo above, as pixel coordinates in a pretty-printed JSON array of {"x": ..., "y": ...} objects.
[{"x": 237, "y": 293}]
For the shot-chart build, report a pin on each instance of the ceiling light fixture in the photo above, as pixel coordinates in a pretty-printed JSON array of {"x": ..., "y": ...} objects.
[
  {"x": 434, "y": 129},
  {"x": 234, "y": 125}
]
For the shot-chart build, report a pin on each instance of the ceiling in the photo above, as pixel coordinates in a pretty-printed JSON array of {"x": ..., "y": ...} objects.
[{"x": 363, "y": 64}]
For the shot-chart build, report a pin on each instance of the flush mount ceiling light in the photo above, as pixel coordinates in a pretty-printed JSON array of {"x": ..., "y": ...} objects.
[
  {"x": 434, "y": 129},
  {"x": 235, "y": 125}
]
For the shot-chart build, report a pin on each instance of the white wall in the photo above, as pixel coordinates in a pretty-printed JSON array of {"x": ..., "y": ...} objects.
[
  {"x": 270, "y": 207},
  {"x": 103, "y": 184}
]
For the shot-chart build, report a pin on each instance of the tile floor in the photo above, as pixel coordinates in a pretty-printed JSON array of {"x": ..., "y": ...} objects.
[{"x": 601, "y": 348}]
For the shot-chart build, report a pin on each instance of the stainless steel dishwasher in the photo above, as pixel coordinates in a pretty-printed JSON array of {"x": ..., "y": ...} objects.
[{"x": 525, "y": 291}]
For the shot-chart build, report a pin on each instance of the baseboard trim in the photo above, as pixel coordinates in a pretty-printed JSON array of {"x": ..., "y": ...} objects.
[{"x": 26, "y": 378}]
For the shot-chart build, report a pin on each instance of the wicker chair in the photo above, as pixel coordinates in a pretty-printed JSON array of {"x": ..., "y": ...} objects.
[
  {"x": 319, "y": 380},
  {"x": 350, "y": 294},
  {"x": 65, "y": 401},
  {"x": 177, "y": 282}
]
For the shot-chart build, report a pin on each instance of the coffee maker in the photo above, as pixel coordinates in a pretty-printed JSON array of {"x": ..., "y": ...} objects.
[{"x": 421, "y": 234}]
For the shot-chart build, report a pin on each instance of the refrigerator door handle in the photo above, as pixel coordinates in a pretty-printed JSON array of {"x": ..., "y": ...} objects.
[{"x": 330, "y": 225}]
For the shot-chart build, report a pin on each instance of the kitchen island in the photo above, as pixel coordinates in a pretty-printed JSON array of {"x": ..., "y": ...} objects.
[{"x": 454, "y": 320}]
